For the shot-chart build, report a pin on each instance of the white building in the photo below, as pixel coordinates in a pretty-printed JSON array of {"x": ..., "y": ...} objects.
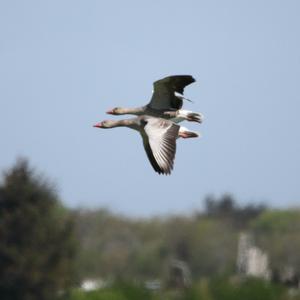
[{"x": 251, "y": 260}]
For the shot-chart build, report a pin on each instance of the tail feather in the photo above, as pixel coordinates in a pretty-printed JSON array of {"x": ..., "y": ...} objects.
[
  {"x": 186, "y": 133},
  {"x": 190, "y": 116}
]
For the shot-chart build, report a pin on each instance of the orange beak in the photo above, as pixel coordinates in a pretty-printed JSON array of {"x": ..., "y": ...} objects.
[{"x": 98, "y": 125}]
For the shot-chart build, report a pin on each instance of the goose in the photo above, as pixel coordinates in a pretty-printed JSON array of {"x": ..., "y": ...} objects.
[
  {"x": 166, "y": 101},
  {"x": 159, "y": 138}
]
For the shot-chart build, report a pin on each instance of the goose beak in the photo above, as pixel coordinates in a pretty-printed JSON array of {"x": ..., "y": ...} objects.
[
  {"x": 98, "y": 125},
  {"x": 110, "y": 112}
]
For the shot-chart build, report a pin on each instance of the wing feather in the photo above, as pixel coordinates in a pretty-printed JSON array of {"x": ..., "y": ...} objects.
[
  {"x": 164, "y": 92},
  {"x": 160, "y": 144}
]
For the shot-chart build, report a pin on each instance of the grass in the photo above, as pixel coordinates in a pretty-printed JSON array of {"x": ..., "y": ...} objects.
[{"x": 205, "y": 289}]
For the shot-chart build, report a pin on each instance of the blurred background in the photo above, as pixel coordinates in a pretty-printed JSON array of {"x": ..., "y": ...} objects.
[{"x": 82, "y": 213}]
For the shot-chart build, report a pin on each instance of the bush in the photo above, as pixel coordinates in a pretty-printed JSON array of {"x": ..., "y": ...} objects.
[{"x": 249, "y": 289}]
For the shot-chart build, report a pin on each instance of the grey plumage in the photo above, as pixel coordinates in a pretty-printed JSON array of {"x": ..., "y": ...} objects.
[{"x": 159, "y": 139}]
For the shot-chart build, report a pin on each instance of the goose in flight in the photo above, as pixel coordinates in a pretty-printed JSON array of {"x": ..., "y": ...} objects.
[
  {"x": 166, "y": 102},
  {"x": 159, "y": 138}
]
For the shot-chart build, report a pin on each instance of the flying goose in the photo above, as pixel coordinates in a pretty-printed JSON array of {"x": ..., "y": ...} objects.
[
  {"x": 159, "y": 138},
  {"x": 166, "y": 101}
]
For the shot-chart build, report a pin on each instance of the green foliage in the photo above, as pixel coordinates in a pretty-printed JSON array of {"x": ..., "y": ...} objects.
[
  {"x": 251, "y": 289},
  {"x": 97, "y": 295},
  {"x": 227, "y": 209},
  {"x": 37, "y": 242},
  {"x": 278, "y": 221},
  {"x": 205, "y": 289},
  {"x": 112, "y": 240},
  {"x": 132, "y": 291},
  {"x": 38, "y": 246},
  {"x": 114, "y": 246},
  {"x": 117, "y": 247},
  {"x": 277, "y": 231},
  {"x": 119, "y": 291}
]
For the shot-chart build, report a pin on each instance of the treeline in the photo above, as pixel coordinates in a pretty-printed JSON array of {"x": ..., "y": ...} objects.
[
  {"x": 47, "y": 249},
  {"x": 116, "y": 246}
]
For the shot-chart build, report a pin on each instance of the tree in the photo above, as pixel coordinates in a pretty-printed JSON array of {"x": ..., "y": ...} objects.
[
  {"x": 226, "y": 208},
  {"x": 277, "y": 232},
  {"x": 37, "y": 241}
]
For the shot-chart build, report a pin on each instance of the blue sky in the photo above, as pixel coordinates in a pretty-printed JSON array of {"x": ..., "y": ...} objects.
[{"x": 64, "y": 63}]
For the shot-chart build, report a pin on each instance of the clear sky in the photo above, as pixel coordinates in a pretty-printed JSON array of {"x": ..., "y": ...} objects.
[{"x": 64, "y": 63}]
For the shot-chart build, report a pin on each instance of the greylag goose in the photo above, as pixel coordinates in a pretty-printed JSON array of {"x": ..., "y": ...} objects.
[
  {"x": 166, "y": 101},
  {"x": 159, "y": 138}
]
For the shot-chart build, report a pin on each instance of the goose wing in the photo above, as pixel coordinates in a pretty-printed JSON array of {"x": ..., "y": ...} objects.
[
  {"x": 164, "y": 92},
  {"x": 159, "y": 139}
]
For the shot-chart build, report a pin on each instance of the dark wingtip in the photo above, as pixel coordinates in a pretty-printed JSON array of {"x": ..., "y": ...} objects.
[{"x": 189, "y": 77}]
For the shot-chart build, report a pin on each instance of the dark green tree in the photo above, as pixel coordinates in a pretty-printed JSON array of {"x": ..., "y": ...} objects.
[
  {"x": 227, "y": 209},
  {"x": 37, "y": 240}
]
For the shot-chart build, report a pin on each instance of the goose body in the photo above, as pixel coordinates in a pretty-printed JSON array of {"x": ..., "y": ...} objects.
[
  {"x": 159, "y": 138},
  {"x": 166, "y": 102}
]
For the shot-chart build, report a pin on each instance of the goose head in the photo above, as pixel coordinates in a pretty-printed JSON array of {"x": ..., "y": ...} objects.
[
  {"x": 115, "y": 111},
  {"x": 104, "y": 124},
  {"x": 112, "y": 124}
]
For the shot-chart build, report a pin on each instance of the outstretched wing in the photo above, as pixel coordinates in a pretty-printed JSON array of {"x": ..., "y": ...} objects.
[
  {"x": 164, "y": 92},
  {"x": 160, "y": 143}
]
